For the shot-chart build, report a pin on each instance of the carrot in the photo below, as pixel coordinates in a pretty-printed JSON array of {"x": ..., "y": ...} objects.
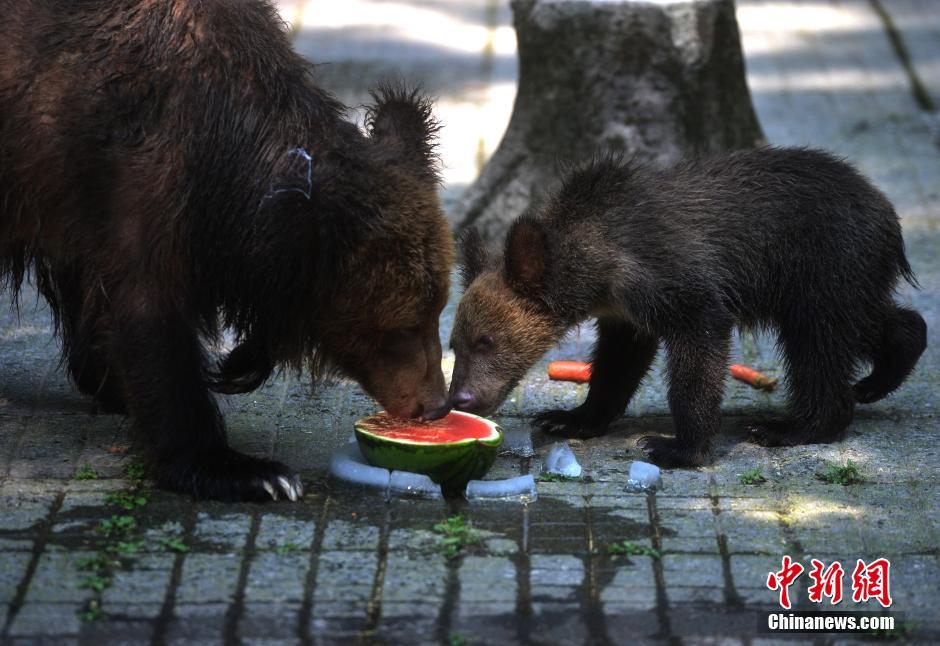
[
  {"x": 577, "y": 371},
  {"x": 753, "y": 378}
]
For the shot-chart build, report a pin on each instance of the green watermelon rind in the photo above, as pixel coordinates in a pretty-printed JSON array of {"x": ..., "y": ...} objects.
[{"x": 450, "y": 464}]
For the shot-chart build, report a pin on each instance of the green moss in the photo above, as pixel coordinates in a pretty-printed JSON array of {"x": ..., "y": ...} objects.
[
  {"x": 117, "y": 525},
  {"x": 86, "y": 472},
  {"x": 92, "y": 611},
  {"x": 287, "y": 548},
  {"x": 128, "y": 500},
  {"x": 96, "y": 582},
  {"x": 629, "y": 548},
  {"x": 456, "y": 534},
  {"x": 844, "y": 475},
  {"x": 753, "y": 476},
  {"x": 546, "y": 476},
  {"x": 174, "y": 545}
]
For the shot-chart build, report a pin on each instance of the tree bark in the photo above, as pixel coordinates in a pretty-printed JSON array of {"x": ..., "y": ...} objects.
[{"x": 659, "y": 80}]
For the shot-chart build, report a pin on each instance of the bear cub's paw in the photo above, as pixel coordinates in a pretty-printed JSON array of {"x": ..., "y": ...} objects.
[
  {"x": 230, "y": 476},
  {"x": 667, "y": 452},
  {"x": 572, "y": 424}
]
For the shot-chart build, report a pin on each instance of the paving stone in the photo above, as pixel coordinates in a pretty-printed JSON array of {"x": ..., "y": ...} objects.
[
  {"x": 629, "y": 583},
  {"x": 208, "y": 578},
  {"x": 412, "y": 579},
  {"x": 409, "y": 621},
  {"x": 145, "y": 582},
  {"x": 346, "y": 535},
  {"x": 265, "y": 623},
  {"x": 279, "y": 533},
  {"x": 753, "y": 531},
  {"x": 33, "y": 620},
  {"x": 486, "y": 579},
  {"x": 201, "y": 623},
  {"x": 57, "y": 579},
  {"x": 692, "y": 570},
  {"x": 12, "y": 570},
  {"x": 227, "y": 530},
  {"x": 345, "y": 576},
  {"x": 557, "y": 623},
  {"x": 277, "y": 578},
  {"x": 626, "y": 624}
]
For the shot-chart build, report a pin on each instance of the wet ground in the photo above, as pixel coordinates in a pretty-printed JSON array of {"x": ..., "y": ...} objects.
[{"x": 89, "y": 554}]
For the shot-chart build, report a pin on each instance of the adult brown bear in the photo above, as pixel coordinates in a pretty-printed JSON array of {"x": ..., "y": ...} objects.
[{"x": 169, "y": 169}]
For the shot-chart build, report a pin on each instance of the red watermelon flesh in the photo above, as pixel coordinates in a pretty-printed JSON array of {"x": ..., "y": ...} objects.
[
  {"x": 451, "y": 428},
  {"x": 452, "y": 450}
]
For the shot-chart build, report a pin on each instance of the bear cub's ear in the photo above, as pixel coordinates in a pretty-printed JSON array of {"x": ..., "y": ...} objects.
[
  {"x": 473, "y": 256},
  {"x": 403, "y": 120},
  {"x": 526, "y": 256}
]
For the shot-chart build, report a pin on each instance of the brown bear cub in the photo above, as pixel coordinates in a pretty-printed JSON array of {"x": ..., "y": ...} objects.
[
  {"x": 789, "y": 239},
  {"x": 169, "y": 170}
]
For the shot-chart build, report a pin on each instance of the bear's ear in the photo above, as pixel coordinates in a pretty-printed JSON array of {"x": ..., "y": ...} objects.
[
  {"x": 473, "y": 256},
  {"x": 403, "y": 120},
  {"x": 526, "y": 256}
]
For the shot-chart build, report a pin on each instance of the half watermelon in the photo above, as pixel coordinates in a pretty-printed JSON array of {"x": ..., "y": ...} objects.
[{"x": 451, "y": 451}]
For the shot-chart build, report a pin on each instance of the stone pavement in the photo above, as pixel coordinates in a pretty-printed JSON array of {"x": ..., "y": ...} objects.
[{"x": 102, "y": 559}]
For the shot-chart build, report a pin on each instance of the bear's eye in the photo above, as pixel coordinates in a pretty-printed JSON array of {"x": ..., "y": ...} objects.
[{"x": 484, "y": 342}]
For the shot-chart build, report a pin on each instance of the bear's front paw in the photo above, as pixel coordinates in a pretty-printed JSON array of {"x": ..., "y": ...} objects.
[
  {"x": 568, "y": 423},
  {"x": 229, "y": 476},
  {"x": 668, "y": 452}
]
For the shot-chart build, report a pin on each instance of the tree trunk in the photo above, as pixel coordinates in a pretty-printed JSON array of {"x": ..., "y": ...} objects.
[{"x": 659, "y": 80}]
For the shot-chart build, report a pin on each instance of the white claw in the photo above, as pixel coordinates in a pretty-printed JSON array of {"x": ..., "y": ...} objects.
[
  {"x": 288, "y": 488},
  {"x": 270, "y": 489},
  {"x": 300, "y": 488}
]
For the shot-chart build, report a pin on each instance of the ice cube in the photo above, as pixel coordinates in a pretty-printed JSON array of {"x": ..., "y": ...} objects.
[
  {"x": 521, "y": 487},
  {"x": 517, "y": 442},
  {"x": 644, "y": 475},
  {"x": 404, "y": 484},
  {"x": 349, "y": 465},
  {"x": 560, "y": 459}
]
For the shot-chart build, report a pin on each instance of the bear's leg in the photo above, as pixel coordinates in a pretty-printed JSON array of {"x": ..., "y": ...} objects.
[
  {"x": 162, "y": 366},
  {"x": 696, "y": 364},
  {"x": 903, "y": 340},
  {"x": 94, "y": 377},
  {"x": 83, "y": 333},
  {"x": 820, "y": 362},
  {"x": 622, "y": 357}
]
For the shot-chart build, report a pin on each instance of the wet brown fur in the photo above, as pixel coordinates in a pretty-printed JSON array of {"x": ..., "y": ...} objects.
[{"x": 170, "y": 169}]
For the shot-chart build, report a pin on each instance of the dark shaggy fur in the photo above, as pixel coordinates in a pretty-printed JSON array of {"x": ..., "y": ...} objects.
[
  {"x": 168, "y": 168},
  {"x": 789, "y": 239}
]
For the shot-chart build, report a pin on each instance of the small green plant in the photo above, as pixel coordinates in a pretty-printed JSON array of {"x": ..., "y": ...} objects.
[
  {"x": 547, "y": 476},
  {"x": 456, "y": 534},
  {"x": 753, "y": 476},
  {"x": 844, "y": 475},
  {"x": 86, "y": 472},
  {"x": 287, "y": 548},
  {"x": 174, "y": 545},
  {"x": 629, "y": 548},
  {"x": 117, "y": 525},
  {"x": 96, "y": 582},
  {"x": 99, "y": 561},
  {"x": 129, "y": 500},
  {"x": 127, "y": 548},
  {"x": 135, "y": 472},
  {"x": 92, "y": 611},
  {"x": 120, "y": 537},
  {"x": 456, "y": 640}
]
